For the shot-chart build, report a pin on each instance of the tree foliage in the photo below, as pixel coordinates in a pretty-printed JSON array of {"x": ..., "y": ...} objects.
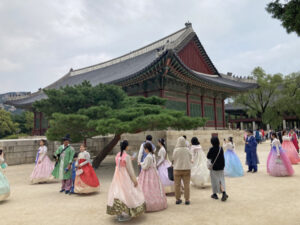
[
  {"x": 276, "y": 97},
  {"x": 7, "y": 126},
  {"x": 84, "y": 111},
  {"x": 288, "y": 13},
  {"x": 24, "y": 122}
]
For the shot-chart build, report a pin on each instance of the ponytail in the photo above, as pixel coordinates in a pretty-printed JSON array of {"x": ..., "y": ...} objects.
[
  {"x": 162, "y": 141},
  {"x": 123, "y": 146},
  {"x": 231, "y": 139}
]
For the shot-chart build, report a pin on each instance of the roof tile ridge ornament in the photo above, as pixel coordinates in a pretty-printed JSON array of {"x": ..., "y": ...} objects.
[
  {"x": 152, "y": 46},
  {"x": 233, "y": 77}
]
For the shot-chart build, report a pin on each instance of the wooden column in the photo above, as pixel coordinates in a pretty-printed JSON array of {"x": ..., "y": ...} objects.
[
  {"x": 223, "y": 112},
  {"x": 202, "y": 105},
  {"x": 187, "y": 104},
  {"x": 41, "y": 118},
  {"x": 162, "y": 93},
  {"x": 34, "y": 123},
  {"x": 215, "y": 113}
]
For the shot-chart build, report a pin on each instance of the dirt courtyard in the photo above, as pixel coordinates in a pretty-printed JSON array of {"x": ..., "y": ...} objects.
[{"x": 253, "y": 199}]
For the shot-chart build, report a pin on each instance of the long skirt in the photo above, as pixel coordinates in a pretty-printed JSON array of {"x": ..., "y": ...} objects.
[
  {"x": 4, "y": 187},
  {"x": 279, "y": 166},
  {"x": 217, "y": 179},
  {"x": 164, "y": 178},
  {"x": 42, "y": 172},
  {"x": 200, "y": 173},
  {"x": 153, "y": 190},
  {"x": 233, "y": 165},
  {"x": 87, "y": 181},
  {"x": 123, "y": 197},
  {"x": 291, "y": 151}
]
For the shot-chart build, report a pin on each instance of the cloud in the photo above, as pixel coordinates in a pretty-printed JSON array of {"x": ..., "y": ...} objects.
[{"x": 41, "y": 40}]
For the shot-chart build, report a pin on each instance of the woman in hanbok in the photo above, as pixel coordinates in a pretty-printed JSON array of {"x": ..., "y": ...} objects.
[
  {"x": 163, "y": 164},
  {"x": 290, "y": 149},
  {"x": 125, "y": 196},
  {"x": 4, "y": 185},
  {"x": 86, "y": 180},
  {"x": 200, "y": 175},
  {"x": 43, "y": 168},
  {"x": 150, "y": 183},
  {"x": 233, "y": 165},
  {"x": 278, "y": 163}
]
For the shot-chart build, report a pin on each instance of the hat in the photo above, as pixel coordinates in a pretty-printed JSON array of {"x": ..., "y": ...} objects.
[{"x": 66, "y": 138}]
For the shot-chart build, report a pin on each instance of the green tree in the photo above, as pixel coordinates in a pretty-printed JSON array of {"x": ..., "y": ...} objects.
[
  {"x": 7, "y": 126},
  {"x": 259, "y": 101},
  {"x": 288, "y": 13},
  {"x": 24, "y": 122},
  {"x": 85, "y": 111}
]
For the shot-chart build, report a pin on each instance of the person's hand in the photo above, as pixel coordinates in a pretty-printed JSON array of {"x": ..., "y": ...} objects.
[
  {"x": 247, "y": 143},
  {"x": 69, "y": 167},
  {"x": 39, "y": 161},
  {"x": 139, "y": 163},
  {"x": 135, "y": 184}
]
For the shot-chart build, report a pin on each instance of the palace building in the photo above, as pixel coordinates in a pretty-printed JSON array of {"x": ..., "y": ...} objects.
[{"x": 175, "y": 67}]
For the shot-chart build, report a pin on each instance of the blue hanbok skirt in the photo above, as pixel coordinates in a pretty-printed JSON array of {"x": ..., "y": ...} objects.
[{"x": 233, "y": 165}]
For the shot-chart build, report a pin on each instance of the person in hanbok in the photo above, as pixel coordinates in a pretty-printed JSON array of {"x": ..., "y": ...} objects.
[
  {"x": 4, "y": 185},
  {"x": 142, "y": 154},
  {"x": 294, "y": 137},
  {"x": 86, "y": 180},
  {"x": 278, "y": 163},
  {"x": 199, "y": 172},
  {"x": 289, "y": 147},
  {"x": 150, "y": 183},
  {"x": 251, "y": 152},
  {"x": 163, "y": 164},
  {"x": 233, "y": 165},
  {"x": 125, "y": 197},
  {"x": 73, "y": 169},
  {"x": 43, "y": 168},
  {"x": 62, "y": 170}
]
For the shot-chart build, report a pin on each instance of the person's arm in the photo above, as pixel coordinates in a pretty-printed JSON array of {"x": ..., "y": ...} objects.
[
  {"x": 147, "y": 163},
  {"x": 130, "y": 170},
  {"x": 161, "y": 156},
  {"x": 44, "y": 153},
  {"x": 140, "y": 155},
  {"x": 87, "y": 159}
]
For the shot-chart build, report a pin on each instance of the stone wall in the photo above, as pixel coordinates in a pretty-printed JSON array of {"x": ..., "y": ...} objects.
[{"x": 19, "y": 151}]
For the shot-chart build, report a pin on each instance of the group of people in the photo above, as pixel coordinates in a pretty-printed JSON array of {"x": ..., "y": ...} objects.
[
  {"x": 73, "y": 169},
  {"x": 130, "y": 196}
]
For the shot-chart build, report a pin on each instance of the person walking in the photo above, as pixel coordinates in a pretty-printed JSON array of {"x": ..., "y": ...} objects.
[
  {"x": 217, "y": 162},
  {"x": 182, "y": 164}
]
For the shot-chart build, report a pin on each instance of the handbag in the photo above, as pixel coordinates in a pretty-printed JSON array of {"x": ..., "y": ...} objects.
[
  {"x": 210, "y": 165},
  {"x": 171, "y": 173}
]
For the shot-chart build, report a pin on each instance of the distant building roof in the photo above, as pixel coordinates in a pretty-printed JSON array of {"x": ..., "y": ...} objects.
[{"x": 131, "y": 65}]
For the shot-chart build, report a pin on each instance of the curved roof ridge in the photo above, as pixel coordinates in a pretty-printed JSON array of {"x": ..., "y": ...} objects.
[{"x": 155, "y": 45}]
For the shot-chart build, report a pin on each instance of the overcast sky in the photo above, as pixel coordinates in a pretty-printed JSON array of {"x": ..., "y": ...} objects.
[{"x": 41, "y": 40}]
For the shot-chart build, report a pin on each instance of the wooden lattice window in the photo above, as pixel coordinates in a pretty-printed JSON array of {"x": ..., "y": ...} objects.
[
  {"x": 209, "y": 112},
  {"x": 195, "y": 110},
  {"x": 176, "y": 105}
]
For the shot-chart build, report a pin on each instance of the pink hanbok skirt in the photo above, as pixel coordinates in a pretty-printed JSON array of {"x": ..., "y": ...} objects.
[
  {"x": 162, "y": 170},
  {"x": 279, "y": 166},
  {"x": 153, "y": 190},
  {"x": 291, "y": 152},
  {"x": 42, "y": 172},
  {"x": 123, "y": 197}
]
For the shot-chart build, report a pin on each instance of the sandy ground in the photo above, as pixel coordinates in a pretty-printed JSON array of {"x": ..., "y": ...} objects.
[{"x": 253, "y": 199}]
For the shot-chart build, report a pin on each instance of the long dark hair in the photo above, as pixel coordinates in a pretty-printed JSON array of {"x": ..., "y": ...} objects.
[
  {"x": 149, "y": 147},
  {"x": 284, "y": 132},
  {"x": 123, "y": 146},
  {"x": 230, "y": 139},
  {"x": 215, "y": 142},
  {"x": 162, "y": 141}
]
